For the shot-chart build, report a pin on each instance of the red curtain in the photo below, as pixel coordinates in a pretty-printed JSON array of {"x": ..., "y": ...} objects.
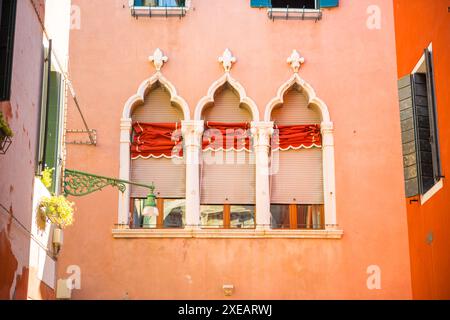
[
  {"x": 156, "y": 140},
  {"x": 297, "y": 136},
  {"x": 226, "y": 136}
]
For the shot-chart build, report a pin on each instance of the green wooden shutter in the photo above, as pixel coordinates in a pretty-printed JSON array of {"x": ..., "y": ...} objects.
[
  {"x": 329, "y": 3},
  {"x": 260, "y": 3},
  {"x": 7, "y": 28},
  {"x": 407, "y": 118},
  {"x": 51, "y": 153}
]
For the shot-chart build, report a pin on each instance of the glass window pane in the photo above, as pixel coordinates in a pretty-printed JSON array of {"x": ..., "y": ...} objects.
[
  {"x": 140, "y": 221},
  {"x": 242, "y": 216},
  {"x": 174, "y": 213},
  {"x": 280, "y": 216},
  {"x": 310, "y": 216},
  {"x": 212, "y": 216}
]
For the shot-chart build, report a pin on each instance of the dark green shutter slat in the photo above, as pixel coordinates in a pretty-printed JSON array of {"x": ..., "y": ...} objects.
[
  {"x": 260, "y": 3},
  {"x": 329, "y": 3},
  {"x": 432, "y": 113},
  {"x": 51, "y": 148},
  {"x": 7, "y": 29}
]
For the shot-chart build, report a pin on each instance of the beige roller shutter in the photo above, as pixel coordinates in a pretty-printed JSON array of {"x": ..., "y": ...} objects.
[
  {"x": 157, "y": 107},
  {"x": 295, "y": 110},
  {"x": 167, "y": 174},
  {"x": 297, "y": 174},
  {"x": 226, "y": 108},
  {"x": 297, "y": 177},
  {"x": 169, "y": 177},
  {"x": 228, "y": 177}
]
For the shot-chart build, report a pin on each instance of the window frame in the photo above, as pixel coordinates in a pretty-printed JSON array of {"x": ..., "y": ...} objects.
[
  {"x": 316, "y": 7},
  {"x": 424, "y": 65},
  {"x": 293, "y": 217},
  {"x": 227, "y": 217},
  {"x": 159, "y": 11},
  {"x": 159, "y": 219}
]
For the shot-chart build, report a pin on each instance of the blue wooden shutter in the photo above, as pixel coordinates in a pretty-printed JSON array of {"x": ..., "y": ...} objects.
[
  {"x": 329, "y": 3},
  {"x": 138, "y": 3},
  {"x": 260, "y": 3}
]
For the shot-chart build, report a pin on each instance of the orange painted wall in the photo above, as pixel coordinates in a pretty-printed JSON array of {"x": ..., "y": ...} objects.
[
  {"x": 419, "y": 23},
  {"x": 351, "y": 67}
]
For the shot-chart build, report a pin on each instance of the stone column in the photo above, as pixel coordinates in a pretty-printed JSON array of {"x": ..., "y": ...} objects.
[
  {"x": 124, "y": 171},
  {"x": 262, "y": 132},
  {"x": 329, "y": 185},
  {"x": 192, "y": 136}
]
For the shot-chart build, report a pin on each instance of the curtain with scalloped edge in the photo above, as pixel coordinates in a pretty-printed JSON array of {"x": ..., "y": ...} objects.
[
  {"x": 296, "y": 137},
  {"x": 156, "y": 140},
  {"x": 224, "y": 136}
]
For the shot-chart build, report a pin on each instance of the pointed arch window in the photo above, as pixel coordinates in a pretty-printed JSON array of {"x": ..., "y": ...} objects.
[
  {"x": 157, "y": 156},
  {"x": 227, "y": 172},
  {"x": 296, "y": 181}
]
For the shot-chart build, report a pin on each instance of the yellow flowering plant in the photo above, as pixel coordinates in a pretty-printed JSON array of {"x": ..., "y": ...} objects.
[
  {"x": 56, "y": 209},
  {"x": 47, "y": 177}
]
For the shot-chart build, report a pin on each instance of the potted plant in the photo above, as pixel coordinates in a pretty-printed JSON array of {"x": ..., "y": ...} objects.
[
  {"x": 59, "y": 211},
  {"x": 5, "y": 135},
  {"x": 56, "y": 209}
]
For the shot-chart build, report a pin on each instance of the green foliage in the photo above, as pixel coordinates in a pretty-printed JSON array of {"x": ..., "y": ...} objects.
[
  {"x": 5, "y": 130},
  {"x": 47, "y": 177},
  {"x": 56, "y": 209}
]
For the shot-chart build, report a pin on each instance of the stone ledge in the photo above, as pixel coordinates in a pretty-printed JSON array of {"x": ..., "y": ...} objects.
[{"x": 225, "y": 234}]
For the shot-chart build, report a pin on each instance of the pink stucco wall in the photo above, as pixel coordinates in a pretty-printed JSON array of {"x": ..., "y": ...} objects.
[
  {"x": 351, "y": 67},
  {"x": 17, "y": 167}
]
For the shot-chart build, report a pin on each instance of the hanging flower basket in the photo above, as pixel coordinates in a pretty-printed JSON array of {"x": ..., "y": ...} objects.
[
  {"x": 5, "y": 135},
  {"x": 56, "y": 209}
]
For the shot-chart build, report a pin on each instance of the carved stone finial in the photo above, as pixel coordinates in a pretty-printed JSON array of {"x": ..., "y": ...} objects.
[
  {"x": 295, "y": 60},
  {"x": 158, "y": 59},
  {"x": 227, "y": 60}
]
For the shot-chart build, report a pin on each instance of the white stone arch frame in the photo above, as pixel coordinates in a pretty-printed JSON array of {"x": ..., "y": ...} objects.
[
  {"x": 209, "y": 98},
  {"x": 125, "y": 130},
  {"x": 327, "y": 127}
]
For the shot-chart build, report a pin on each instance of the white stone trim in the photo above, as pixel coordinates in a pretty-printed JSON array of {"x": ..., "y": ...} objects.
[
  {"x": 327, "y": 128},
  {"x": 209, "y": 98},
  {"x": 192, "y": 135},
  {"x": 313, "y": 100},
  {"x": 139, "y": 97},
  {"x": 262, "y": 132},
  {"x": 430, "y": 193},
  {"x": 225, "y": 234}
]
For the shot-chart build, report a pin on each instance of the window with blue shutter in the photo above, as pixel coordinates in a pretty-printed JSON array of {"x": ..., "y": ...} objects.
[
  {"x": 308, "y": 4},
  {"x": 329, "y": 3},
  {"x": 159, "y": 3}
]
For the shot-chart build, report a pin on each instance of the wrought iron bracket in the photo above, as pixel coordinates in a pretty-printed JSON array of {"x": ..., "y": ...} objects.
[
  {"x": 79, "y": 183},
  {"x": 92, "y": 137}
]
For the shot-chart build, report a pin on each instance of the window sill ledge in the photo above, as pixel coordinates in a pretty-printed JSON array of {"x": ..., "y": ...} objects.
[
  {"x": 294, "y": 14},
  {"x": 226, "y": 234},
  {"x": 159, "y": 11},
  {"x": 430, "y": 193}
]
